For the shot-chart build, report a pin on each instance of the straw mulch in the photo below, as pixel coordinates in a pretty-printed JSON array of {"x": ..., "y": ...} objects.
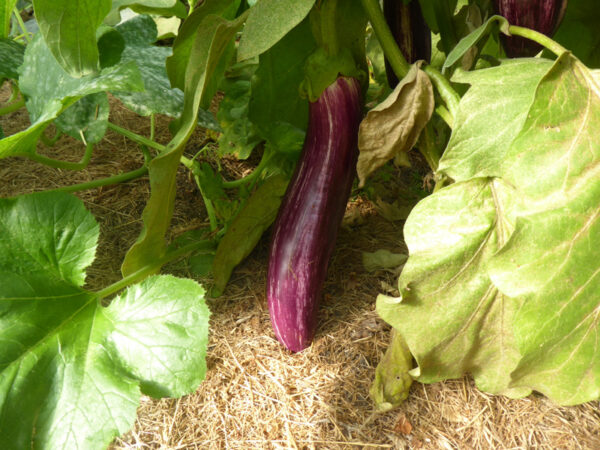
[{"x": 256, "y": 394}]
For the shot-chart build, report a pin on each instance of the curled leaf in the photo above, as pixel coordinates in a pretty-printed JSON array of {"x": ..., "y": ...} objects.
[
  {"x": 246, "y": 229},
  {"x": 393, "y": 126}
]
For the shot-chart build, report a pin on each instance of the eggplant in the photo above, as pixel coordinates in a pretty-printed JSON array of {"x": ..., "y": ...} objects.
[
  {"x": 312, "y": 210},
  {"x": 540, "y": 15},
  {"x": 410, "y": 31}
]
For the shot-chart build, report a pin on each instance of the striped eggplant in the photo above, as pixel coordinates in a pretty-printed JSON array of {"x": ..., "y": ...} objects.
[
  {"x": 410, "y": 31},
  {"x": 306, "y": 228},
  {"x": 540, "y": 15}
]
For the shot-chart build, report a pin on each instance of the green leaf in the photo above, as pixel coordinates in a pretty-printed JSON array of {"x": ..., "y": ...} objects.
[
  {"x": 182, "y": 47},
  {"x": 504, "y": 270},
  {"x": 473, "y": 38},
  {"x": 239, "y": 134},
  {"x": 50, "y": 90},
  {"x": 269, "y": 21},
  {"x": 207, "y": 57},
  {"x": 11, "y": 58},
  {"x": 71, "y": 371},
  {"x": 551, "y": 260},
  {"x": 451, "y": 237},
  {"x": 87, "y": 117},
  {"x": 69, "y": 29},
  {"x": 275, "y": 87},
  {"x": 110, "y": 46},
  {"x": 139, "y": 33},
  {"x": 502, "y": 94},
  {"x": 6, "y": 11},
  {"x": 246, "y": 230}
]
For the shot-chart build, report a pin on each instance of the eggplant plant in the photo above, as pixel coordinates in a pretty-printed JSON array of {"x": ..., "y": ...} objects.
[{"x": 501, "y": 279}]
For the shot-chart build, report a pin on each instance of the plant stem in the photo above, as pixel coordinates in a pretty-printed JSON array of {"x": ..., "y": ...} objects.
[
  {"x": 137, "y": 138},
  {"x": 49, "y": 142},
  {"x": 538, "y": 37},
  {"x": 13, "y": 107},
  {"x": 152, "y": 126},
  {"x": 150, "y": 269},
  {"x": 444, "y": 88},
  {"x": 115, "y": 179},
  {"x": 385, "y": 37},
  {"x": 445, "y": 115},
  {"x": 22, "y": 24},
  {"x": 58, "y": 164},
  {"x": 428, "y": 148},
  {"x": 250, "y": 177}
]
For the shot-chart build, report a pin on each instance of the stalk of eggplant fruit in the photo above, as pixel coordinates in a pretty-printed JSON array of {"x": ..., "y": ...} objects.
[
  {"x": 306, "y": 228},
  {"x": 540, "y": 15}
]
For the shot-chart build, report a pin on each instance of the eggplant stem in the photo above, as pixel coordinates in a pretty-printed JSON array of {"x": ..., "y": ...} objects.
[{"x": 538, "y": 37}]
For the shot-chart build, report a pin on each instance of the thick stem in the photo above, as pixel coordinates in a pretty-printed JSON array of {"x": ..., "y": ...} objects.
[
  {"x": 445, "y": 115},
  {"x": 386, "y": 39},
  {"x": 12, "y": 107},
  {"x": 115, "y": 179},
  {"x": 49, "y": 142},
  {"x": 444, "y": 89},
  {"x": 428, "y": 148},
  {"x": 22, "y": 24},
  {"x": 137, "y": 138},
  {"x": 58, "y": 164},
  {"x": 538, "y": 37}
]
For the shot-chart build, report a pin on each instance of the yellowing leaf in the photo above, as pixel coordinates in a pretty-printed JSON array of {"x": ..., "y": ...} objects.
[{"x": 393, "y": 126}]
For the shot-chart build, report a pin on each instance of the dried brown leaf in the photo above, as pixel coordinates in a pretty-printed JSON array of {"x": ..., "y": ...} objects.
[{"x": 393, "y": 126}]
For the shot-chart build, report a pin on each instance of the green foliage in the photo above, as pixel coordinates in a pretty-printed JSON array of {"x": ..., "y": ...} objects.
[
  {"x": 11, "y": 57},
  {"x": 246, "y": 230},
  {"x": 50, "y": 91},
  {"x": 579, "y": 31},
  {"x": 518, "y": 229},
  {"x": 268, "y": 22},
  {"x": 72, "y": 371},
  {"x": 71, "y": 37},
  {"x": 88, "y": 117},
  {"x": 6, "y": 12}
]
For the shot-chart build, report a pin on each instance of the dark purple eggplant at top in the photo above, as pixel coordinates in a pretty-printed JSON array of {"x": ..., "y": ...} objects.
[
  {"x": 540, "y": 15},
  {"x": 410, "y": 31},
  {"x": 312, "y": 210}
]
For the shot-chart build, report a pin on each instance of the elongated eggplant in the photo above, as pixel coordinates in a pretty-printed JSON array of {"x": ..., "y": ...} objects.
[
  {"x": 410, "y": 31},
  {"x": 540, "y": 15},
  {"x": 307, "y": 224}
]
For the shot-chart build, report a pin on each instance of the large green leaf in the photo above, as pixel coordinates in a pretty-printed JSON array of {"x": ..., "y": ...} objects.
[
  {"x": 210, "y": 51},
  {"x": 507, "y": 267},
  {"x": 552, "y": 259},
  {"x": 71, "y": 371},
  {"x": 500, "y": 96},
  {"x": 269, "y": 21},
  {"x": 69, "y": 28},
  {"x": 276, "y": 106},
  {"x": 452, "y": 317},
  {"x": 50, "y": 90}
]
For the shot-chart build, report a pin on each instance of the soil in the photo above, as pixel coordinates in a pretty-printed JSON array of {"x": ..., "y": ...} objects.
[{"x": 258, "y": 395}]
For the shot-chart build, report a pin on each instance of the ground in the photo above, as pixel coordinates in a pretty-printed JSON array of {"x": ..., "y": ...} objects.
[{"x": 258, "y": 395}]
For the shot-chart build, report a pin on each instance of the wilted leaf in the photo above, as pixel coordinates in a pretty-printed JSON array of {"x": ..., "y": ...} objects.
[
  {"x": 394, "y": 125},
  {"x": 392, "y": 380},
  {"x": 246, "y": 229},
  {"x": 382, "y": 259}
]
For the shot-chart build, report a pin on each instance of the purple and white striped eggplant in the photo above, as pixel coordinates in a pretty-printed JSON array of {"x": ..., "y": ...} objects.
[
  {"x": 540, "y": 15},
  {"x": 306, "y": 228}
]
